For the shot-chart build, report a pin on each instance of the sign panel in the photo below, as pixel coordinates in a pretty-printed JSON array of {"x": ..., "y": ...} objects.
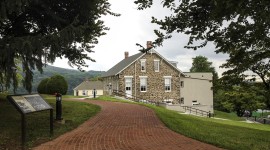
[{"x": 30, "y": 103}]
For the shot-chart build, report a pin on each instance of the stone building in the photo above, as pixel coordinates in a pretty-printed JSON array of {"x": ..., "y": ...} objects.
[{"x": 150, "y": 76}]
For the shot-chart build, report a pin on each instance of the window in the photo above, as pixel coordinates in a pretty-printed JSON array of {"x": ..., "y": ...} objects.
[
  {"x": 182, "y": 84},
  {"x": 156, "y": 65},
  {"x": 143, "y": 65},
  {"x": 83, "y": 92},
  {"x": 168, "y": 81},
  {"x": 182, "y": 100},
  {"x": 195, "y": 102},
  {"x": 143, "y": 83}
]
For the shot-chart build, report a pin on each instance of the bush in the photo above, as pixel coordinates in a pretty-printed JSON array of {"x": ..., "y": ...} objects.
[
  {"x": 3, "y": 96},
  {"x": 57, "y": 84},
  {"x": 52, "y": 85},
  {"x": 42, "y": 87}
]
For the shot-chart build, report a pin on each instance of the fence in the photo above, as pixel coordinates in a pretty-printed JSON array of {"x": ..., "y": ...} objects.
[{"x": 198, "y": 112}]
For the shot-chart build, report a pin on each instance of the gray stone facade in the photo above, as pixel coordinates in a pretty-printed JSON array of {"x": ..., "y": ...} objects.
[{"x": 155, "y": 80}]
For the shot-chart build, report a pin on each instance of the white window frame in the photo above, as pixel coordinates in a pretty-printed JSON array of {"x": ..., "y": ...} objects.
[
  {"x": 143, "y": 84},
  {"x": 169, "y": 78},
  {"x": 143, "y": 65},
  {"x": 156, "y": 69}
]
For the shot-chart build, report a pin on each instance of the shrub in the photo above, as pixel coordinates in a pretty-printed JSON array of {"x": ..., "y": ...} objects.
[
  {"x": 42, "y": 87},
  {"x": 57, "y": 84}
]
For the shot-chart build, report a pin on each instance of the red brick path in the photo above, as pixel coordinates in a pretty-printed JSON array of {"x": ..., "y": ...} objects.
[{"x": 121, "y": 126}]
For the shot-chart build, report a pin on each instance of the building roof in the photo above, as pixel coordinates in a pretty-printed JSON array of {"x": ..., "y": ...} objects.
[
  {"x": 128, "y": 61},
  {"x": 89, "y": 85},
  {"x": 122, "y": 65}
]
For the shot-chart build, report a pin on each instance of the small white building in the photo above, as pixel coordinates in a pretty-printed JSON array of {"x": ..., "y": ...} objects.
[{"x": 86, "y": 88}]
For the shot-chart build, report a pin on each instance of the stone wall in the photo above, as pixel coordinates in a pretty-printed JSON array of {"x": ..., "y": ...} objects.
[{"x": 155, "y": 80}]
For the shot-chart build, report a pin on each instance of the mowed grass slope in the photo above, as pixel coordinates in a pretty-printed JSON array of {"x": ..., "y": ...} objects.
[
  {"x": 225, "y": 115},
  {"x": 38, "y": 129},
  {"x": 225, "y": 134},
  {"x": 228, "y": 134}
]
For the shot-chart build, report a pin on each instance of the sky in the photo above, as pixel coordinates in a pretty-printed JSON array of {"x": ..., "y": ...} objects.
[{"x": 134, "y": 26}]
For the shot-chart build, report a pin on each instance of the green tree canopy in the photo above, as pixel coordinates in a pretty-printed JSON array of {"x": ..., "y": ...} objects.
[
  {"x": 231, "y": 25},
  {"x": 38, "y": 31},
  {"x": 240, "y": 99},
  {"x": 201, "y": 64}
]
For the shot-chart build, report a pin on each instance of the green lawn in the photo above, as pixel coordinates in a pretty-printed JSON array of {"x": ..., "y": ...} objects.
[
  {"x": 228, "y": 134},
  {"x": 75, "y": 113},
  {"x": 224, "y": 115}
]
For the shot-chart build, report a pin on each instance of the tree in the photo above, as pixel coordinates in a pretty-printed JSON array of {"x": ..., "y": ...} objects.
[
  {"x": 240, "y": 99},
  {"x": 239, "y": 28},
  {"x": 38, "y": 31},
  {"x": 17, "y": 75},
  {"x": 227, "y": 23},
  {"x": 201, "y": 64}
]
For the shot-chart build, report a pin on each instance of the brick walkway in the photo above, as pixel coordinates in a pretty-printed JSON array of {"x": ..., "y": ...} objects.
[{"x": 121, "y": 126}]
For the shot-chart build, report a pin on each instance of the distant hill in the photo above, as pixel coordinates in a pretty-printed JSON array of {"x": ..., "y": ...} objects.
[{"x": 73, "y": 77}]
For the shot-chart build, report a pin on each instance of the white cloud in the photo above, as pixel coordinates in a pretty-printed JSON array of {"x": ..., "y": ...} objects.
[{"x": 133, "y": 26}]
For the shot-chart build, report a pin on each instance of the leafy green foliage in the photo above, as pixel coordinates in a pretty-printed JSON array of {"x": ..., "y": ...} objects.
[
  {"x": 38, "y": 31},
  {"x": 57, "y": 84},
  {"x": 226, "y": 23},
  {"x": 201, "y": 64},
  {"x": 52, "y": 85},
  {"x": 240, "y": 99},
  {"x": 42, "y": 87}
]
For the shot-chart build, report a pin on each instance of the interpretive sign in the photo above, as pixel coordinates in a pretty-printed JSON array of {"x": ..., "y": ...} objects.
[{"x": 29, "y": 103}]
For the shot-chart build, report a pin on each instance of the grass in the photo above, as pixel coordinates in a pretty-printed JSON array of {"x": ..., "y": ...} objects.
[
  {"x": 225, "y": 134},
  {"x": 109, "y": 98},
  {"x": 230, "y": 116},
  {"x": 75, "y": 113},
  {"x": 228, "y": 134}
]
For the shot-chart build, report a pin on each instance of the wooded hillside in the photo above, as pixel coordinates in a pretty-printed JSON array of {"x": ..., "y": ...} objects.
[{"x": 73, "y": 77}]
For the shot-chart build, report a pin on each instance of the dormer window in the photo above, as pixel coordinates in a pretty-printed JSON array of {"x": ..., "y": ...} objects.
[
  {"x": 143, "y": 65},
  {"x": 156, "y": 65}
]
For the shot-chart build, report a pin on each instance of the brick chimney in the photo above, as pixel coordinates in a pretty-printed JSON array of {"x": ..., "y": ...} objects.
[
  {"x": 149, "y": 44},
  {"x": 126, "y": 55}
]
